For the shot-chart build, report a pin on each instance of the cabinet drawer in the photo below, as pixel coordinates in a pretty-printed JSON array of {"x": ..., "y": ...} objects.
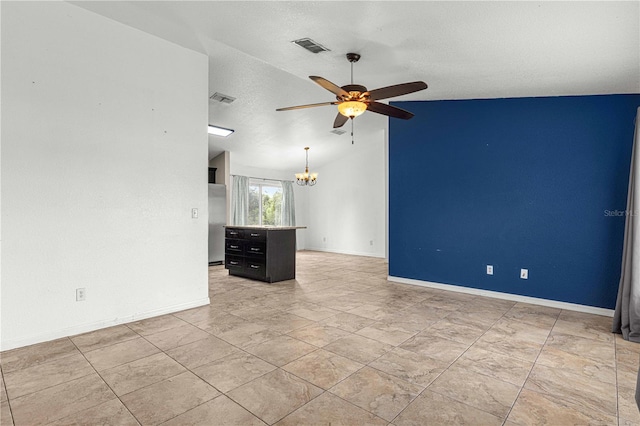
[
  {"x": 252, "y": 248},
  {"x": 255, "y": 234},
  {"x": 255, "y": 268},
  {"x": 233, "y": 246},
  {"x": 235, "y": 263},
  {"x": 233, "y": 233}
]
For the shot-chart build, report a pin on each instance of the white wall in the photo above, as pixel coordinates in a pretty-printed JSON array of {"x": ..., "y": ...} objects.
[
  {"x": 347, "y": 207},
  {"x": 300, "y": 194},
  {"x": 104, "y": 154}
]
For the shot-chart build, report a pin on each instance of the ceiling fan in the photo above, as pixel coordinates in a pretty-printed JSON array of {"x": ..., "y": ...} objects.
[{"x": 354, "y": 99}]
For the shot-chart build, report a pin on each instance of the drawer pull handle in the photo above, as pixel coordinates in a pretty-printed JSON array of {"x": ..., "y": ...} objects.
[
  {"x": 233, "y": 263},
  {"x": 255, "y": 235},
  {"x": 234, "y": 247},
  {"x": 255, "y": 266},
  {"x": 233, "y": 233},
  {"x": 255, "y": 249}
]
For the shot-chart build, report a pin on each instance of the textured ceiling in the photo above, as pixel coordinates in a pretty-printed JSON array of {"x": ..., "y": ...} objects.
[{"x": 463, "y": 50}]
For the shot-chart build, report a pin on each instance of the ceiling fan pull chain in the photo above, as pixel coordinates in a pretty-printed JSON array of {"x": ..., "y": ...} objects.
[{"x": 352, "y": 126}]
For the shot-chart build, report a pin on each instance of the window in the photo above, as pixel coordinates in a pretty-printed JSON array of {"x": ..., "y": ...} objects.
[{"x": 265, "y": 202}]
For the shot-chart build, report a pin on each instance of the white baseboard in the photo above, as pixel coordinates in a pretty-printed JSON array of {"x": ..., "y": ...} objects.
[
  {"x": 506, "y": 296},
  {"x": 352, "y": 253},
  {"x": 84, "y": 328}
]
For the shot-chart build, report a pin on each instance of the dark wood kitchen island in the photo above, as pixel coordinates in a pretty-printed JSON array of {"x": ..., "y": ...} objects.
[{"x": 265, "y": 253}]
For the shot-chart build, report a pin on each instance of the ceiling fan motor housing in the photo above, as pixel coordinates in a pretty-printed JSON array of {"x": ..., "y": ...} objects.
[
  {"x": 356, "y": 93},
  {"x": 353, "y": 57}
]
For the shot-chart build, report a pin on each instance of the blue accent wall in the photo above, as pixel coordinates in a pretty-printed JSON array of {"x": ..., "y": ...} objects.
[{"x": 513, "y": 183}]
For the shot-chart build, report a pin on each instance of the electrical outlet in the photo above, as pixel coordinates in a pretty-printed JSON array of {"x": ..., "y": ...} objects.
[
  {"x": 489, "y": 269},
  {"x": 524, "y": 274},
  {"x": 194, "y": 213},
  {"x": 324, "y": 239},
  {"x": 81, "y": 294},
  {"x": 370, "y": 242}
]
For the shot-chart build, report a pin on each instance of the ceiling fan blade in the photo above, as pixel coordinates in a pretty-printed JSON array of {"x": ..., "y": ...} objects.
[
  {"x": 389, "y": 110},
  {"x": 307, "y": 106},
  {"x": 339, "y": 121},
  {"x": 396, "y": 90},
  {"x": 337, "y": 90}
]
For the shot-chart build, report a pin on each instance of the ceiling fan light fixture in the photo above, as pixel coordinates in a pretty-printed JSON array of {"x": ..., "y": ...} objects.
[{"x": 352, "y": 109}]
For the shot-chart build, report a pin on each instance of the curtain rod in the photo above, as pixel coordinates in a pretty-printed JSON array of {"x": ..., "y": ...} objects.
[{"x": 276, "y": 180}]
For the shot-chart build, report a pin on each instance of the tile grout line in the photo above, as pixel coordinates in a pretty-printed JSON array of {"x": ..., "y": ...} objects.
[
  {"x": 166, "y": 378},
  {"x": 168, "y": 356},
  {"x": 614, "y": 343},
  {"x": 103, "y": 381},
  {"x": 533, "y": 366},
  {"x": 135, "y": 360},
  {"x": 4, "y": 385},
  {"x": 38, "y": 365},
  {"x": 453, "y": 362},
  {"x": 209, "y": 384}
]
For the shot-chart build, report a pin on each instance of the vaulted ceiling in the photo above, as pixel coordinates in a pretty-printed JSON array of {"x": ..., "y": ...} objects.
[{"x": 463, "y": 50}]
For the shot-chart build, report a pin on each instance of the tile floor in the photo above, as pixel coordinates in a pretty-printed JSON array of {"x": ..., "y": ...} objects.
[{"x": 339, "y": 345}]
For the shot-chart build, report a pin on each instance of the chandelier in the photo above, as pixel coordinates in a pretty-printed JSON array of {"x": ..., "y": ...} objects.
[{"x": 306, "y": 178}]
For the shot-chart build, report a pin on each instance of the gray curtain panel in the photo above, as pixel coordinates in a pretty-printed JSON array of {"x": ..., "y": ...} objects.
[
  {"x": 626, "y": 319},
  {"x": 288, "y": 204},
  {"x": 240, "y": 200},
  {"x": 638, "y": 390}
]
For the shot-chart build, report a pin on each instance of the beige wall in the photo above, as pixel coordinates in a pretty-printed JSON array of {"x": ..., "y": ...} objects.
[{"x": 221, "y": 162}]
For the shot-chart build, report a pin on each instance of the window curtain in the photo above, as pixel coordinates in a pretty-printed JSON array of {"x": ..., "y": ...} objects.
[
  {"x": 288, "y": 204},
  {"x": 240, "y": 200},
  {"x": 626, "y": 319}
]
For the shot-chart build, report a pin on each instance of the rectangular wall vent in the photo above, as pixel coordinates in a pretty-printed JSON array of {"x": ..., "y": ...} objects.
[
  {"x": 338, "y": 132},
  {"x": 221, "y": 97},
  {"x": 310, "y": 45}
]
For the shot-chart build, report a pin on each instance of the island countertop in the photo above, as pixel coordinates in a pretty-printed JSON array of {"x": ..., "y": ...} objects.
[{"x": 265, "y": 227}]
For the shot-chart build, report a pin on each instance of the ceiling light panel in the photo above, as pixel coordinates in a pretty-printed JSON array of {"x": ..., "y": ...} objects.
[{"x": 219, "y": 131}]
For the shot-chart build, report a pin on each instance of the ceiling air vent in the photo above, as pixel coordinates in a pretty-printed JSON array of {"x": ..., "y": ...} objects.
[
  {"x": 310, "y": 45},
  {"x": 221, "y": 97},
  {"x": 338, "y": 132}
]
